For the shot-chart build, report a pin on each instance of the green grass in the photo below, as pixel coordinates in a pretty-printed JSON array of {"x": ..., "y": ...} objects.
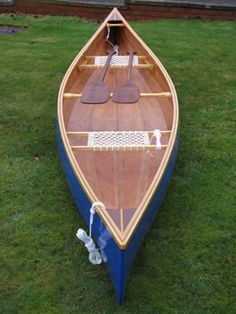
[{"x": 187, "y": 262}]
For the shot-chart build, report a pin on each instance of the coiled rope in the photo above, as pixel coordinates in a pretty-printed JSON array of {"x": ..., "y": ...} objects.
[{"x": 94, "y": 255}]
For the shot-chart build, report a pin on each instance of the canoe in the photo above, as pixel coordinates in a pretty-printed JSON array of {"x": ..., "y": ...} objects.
[{"x": 117, "y": 154}]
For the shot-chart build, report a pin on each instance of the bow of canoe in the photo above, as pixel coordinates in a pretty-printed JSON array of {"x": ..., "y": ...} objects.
[{"x": 118, "y": 153}]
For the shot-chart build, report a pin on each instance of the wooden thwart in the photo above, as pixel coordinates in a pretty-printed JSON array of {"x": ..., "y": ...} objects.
[
  {"x": 162, "y": 94},
  {"x": 115, "y": 25},
  {"x": 85, "y": 133},
  {"x": 116, "y": 66},
  {"x": 91, "y": 58},
  {"x": 115, "y": 148}
]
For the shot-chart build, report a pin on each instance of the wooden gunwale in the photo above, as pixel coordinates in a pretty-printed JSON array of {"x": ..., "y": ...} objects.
[
  {"x": 161, "y": 170},
  {"x": 77, "y": 170},
  {"x": 121, "y": 238}
]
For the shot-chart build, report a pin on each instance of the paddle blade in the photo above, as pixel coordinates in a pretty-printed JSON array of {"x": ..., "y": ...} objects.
[
  {"x": 126, "y": 94},
  {"x": 95, "y": 94}
]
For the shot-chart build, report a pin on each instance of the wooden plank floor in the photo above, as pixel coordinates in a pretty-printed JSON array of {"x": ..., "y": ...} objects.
[{"x": 119, "y": 179}]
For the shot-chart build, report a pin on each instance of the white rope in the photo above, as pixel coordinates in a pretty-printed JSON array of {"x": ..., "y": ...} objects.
[
  {"x": 94, "y": 255},
  {"x": 116, "y": 47},
  {"x": 157, "y": 135}
]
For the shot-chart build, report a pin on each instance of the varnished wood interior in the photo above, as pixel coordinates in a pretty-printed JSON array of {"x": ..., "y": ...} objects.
[{"x": 119, "y": 179}]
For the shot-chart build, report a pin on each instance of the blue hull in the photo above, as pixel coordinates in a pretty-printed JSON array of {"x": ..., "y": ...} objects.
[{"x": 119, "y": 262}]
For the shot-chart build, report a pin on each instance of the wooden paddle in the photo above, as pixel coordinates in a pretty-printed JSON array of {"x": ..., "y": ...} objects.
[
  {"x": 128, "y": 92},
  {"x": 98, "y": 93}
]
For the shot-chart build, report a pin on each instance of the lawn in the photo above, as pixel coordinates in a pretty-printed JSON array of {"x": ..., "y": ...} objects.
[{"x": 187, "y": 262}]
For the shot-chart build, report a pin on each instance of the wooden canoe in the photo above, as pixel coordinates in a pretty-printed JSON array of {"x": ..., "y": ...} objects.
[{"x": 110, "y": 151}]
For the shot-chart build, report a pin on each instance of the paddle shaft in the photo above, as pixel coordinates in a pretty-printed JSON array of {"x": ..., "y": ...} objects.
[
  {"x": 105, "y": 69},
  {"x": 130, "y": 65}
]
